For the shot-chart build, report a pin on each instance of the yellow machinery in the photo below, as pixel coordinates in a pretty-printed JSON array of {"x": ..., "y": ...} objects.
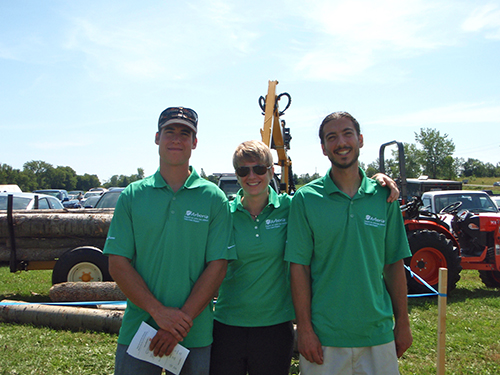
[{"x": 276, "y": 136}]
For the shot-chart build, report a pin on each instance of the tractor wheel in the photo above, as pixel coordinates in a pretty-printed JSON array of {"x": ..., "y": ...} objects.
[
  {"x": 84, "y": 263},
  {"x": 490, "y": 278},
  {"x": 431, "y": 251}
]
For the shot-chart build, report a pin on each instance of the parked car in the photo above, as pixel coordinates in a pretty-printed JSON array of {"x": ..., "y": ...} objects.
[
  {"x": 109, "y": 198},
  {"x": 100, "y": 189},
  {"x": 90, "y": 202},
  {"x": 26, "y": 201},
  {"x": 496, "y": 199},
  {"x": 89, "y": 194},
  {"x": 60, "y": 194},
  {"x": 229, "y": 184},
  {"x": 72, "y": 203},
  {"x": 10, "y": 188},
  {"x": 92, "y": 194},
  {"x": 474, "y": 201},
  {"x": 73, "y": 194},
  {"x": 496, "y": 183}
]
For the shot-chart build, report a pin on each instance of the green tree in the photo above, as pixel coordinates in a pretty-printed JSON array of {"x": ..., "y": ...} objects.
[
  {"x": 40, "y": 170},
  {"x": 449, "y": 168},
  {"x": 435, "y": 149},
  {"x": 490, "y": 170},
  {"x": 62, "y": 178},
  {"x": 413, "y": 167},
  {"x": 122, "y": 180},
  {"x": 87, "y": 182},
  {"x": 474, "y": 167},
  {"x": 7, "y": 174},
  {"x": 372, "y": 168},
  {"x": 26, "y": 181},
  {"x": 140, "y": 173},
  {"x": 213, "y": 178}
]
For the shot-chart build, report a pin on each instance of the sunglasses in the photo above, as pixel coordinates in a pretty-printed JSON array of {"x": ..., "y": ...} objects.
[
  {"x": 257, "y": 169},
  {"x": 178, "y": 113}
]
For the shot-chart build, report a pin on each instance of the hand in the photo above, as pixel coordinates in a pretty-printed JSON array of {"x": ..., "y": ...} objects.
[
  {"x": 173, "y": 320},
  {"x": 403, "y": 339},
  {"x": 384, "y": 180},
  {"x": 163, "y": 343},
  {"x": 310, "y": 347}
]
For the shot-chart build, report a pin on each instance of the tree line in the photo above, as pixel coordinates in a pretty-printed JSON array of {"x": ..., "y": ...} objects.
[
  {"x": 37, "y": 175},
  {"x": 431, "y": 155}
]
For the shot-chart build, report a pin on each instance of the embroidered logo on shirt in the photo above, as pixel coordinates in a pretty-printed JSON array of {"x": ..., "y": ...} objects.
[
  {"x": 275, "y": 223},
  {"x": 374, "y": 222},
  {"x": 195, "y": 217}
]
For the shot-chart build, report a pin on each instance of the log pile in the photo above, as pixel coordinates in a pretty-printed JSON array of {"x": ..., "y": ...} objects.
[{"x": 43, "y": 235}]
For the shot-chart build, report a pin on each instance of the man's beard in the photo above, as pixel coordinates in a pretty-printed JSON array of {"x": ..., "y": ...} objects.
[{"x": 344, "y": 166}]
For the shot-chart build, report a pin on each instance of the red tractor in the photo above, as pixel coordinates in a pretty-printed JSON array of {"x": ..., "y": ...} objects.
[{"x": 472, "y": 242}]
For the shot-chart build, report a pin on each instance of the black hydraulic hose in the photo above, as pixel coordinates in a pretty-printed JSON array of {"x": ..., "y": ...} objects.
[
  {"x": 262, "y": 104},
  {"x": 287, "y": 104}
]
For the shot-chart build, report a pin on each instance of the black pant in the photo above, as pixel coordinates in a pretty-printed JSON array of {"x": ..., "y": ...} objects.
[{"x": 253, "y": 350}]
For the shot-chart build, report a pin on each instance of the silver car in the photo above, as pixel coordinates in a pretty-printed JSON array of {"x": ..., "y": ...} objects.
[
  {"x": 26, "y": 201},
  {"x": 496, "y": 199}
]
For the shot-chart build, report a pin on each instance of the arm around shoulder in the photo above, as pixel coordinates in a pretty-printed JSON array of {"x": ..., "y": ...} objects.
[{"x": 388, "y": 182}]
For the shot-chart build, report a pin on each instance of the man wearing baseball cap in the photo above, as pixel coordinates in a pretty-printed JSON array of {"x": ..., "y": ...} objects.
[{"x": 168, "y": 247}]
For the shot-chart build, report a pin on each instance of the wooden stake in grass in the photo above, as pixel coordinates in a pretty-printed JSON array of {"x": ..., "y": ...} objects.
[{"x": 441, "y": 327}]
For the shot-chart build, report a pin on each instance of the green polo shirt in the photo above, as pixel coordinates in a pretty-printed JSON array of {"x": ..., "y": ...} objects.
[
  {"x": 256, "y": 290},
  {"x": 346, "y": 242},
  {"x": 170, "y": 238}
]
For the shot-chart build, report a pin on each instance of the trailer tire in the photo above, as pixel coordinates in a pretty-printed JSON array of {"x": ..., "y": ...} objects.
[
  {"x": 84, "y": 263},
  {"x": 431, "y": 250}
]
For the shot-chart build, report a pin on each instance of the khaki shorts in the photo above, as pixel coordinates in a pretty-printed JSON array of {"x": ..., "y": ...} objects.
[{"x": 372, "y": 360}]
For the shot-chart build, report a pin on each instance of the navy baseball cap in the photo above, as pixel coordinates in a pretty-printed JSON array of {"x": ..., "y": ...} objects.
[{"x": 179, "y": 115}]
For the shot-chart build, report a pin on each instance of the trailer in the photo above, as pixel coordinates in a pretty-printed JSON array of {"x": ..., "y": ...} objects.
[{"x": 69, "y": 242}]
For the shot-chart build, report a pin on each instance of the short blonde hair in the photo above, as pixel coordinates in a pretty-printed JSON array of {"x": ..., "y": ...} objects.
[{"x": 255, "y": 151}]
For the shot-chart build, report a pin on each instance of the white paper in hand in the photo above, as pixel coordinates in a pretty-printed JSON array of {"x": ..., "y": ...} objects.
[{"x": 139, "y": 348}]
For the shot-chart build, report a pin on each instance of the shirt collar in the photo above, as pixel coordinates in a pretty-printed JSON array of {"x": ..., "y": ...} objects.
[
  {"x": 273, "y": 200},
  {"x": 367, "y": 185},
  {"x": 193, "y": 181}
]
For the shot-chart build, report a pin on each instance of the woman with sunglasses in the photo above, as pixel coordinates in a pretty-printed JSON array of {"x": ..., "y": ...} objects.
[{"x": 253, "y": 332}]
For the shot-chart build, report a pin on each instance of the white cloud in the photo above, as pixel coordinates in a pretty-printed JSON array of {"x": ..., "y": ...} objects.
[
  {"x": 173, "y": 41},
  {"x": 358, "y": 34},
  {"x": 459, "y": 113},
  {"x": 487, "y": 18}
]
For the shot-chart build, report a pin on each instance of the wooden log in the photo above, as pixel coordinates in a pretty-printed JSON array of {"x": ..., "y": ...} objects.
[
  {"x": 43, "y": 235},
  {"x": 62, "y": 317},
  {"x": 57, "y": 224},
  {"x": 80, "y": 291}
]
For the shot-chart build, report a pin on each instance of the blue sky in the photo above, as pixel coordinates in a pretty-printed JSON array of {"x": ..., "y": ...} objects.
[{"x": 83, "y": 82}]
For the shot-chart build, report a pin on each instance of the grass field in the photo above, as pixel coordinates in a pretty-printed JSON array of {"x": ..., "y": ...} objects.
[
  {"x": 482, "y": 183},
  {"x": 472, "y": 347}
]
